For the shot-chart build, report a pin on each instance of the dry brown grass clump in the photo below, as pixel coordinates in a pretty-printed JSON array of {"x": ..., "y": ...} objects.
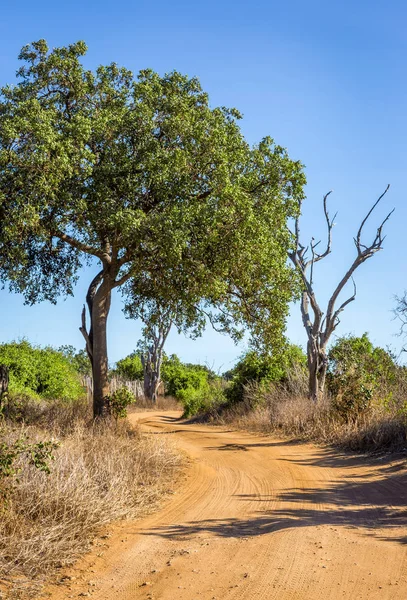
[
  {"x": 162, "y": 403},
  {"x": 282, "y": 410},
  {"x": 101, "y": 473}
]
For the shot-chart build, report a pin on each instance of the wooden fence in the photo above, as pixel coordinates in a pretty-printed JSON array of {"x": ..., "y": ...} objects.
[{"x": 136, "y": 387}]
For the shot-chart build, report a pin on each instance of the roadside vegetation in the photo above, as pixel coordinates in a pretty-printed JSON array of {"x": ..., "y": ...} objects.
[
  {"x": 63, "y": 476},
  {"x": 139, "y": 178},
  {"x": 364, "y": 407}
]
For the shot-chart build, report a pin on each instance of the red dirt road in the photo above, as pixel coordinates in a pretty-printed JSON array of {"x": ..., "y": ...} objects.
[{"x": 258, "y": 518}]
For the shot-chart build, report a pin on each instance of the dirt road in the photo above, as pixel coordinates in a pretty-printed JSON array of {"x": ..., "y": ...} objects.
[{"x": 259, "y": 519}]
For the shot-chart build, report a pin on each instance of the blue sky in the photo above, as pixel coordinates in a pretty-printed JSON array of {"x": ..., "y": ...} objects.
[{"x": 326, "y": 80}]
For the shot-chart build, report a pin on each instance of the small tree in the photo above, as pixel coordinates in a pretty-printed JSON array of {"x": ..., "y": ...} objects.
[
  {"x": 182, "y": 311},
  {"x": 151, "y": 353},
  {"x": 319, "y": 328}
]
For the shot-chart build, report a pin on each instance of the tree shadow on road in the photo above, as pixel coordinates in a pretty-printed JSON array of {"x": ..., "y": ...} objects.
[
  {"x": 267, "y": 522},
  {"x": 377, "y": 505}
]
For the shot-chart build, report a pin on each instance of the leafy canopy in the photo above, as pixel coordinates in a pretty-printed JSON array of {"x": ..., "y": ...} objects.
[{"x": 143, "y": 176}]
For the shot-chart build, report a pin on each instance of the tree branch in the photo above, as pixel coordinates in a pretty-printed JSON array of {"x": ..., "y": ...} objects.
[
  {"x": 122, "y": 279},
  {"x": 376, "y": 245},
  {"x": 83, "y": 330},
  {"x": 81, "y": 246}
]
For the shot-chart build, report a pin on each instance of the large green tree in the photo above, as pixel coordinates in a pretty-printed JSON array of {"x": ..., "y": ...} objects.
[{"x": 141, "y": 177}]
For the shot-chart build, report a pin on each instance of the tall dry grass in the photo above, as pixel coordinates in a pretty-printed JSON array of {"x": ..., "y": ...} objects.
[
  {"x": 285, "y": 409},
  {"x": 101, "y": 473},
  {"x": 162, "y": 403}
]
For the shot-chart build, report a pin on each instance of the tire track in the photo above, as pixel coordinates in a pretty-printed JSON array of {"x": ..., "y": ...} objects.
[{"x": 260, "y": 519}]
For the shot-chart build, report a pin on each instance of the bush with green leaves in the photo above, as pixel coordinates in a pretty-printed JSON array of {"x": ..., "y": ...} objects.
[
  {"x": 360, "y": 372},
  {"x": 41, "y": 373},
  {"x": 130, "y": 367},
  {"x": 78, "y": 358},
  {"x": 38, "y": 454},
  {"x": 208, "y": 396},
  {"x": 179, "y": 376},
  {"x": 118, "y": 402},
  {"x": 263, "y": 369}
]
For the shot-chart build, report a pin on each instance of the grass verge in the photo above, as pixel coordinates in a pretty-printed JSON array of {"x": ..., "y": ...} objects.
[
  {"x": 277, "y": 410},
  {"x": 100, "y": 473}
]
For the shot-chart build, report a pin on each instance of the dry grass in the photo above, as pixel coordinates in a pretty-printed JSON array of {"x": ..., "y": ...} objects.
[
  {"x": 285, "y": 410},
  {"x": 163, "y": 403},
  {"x": 100, "y": 474}
]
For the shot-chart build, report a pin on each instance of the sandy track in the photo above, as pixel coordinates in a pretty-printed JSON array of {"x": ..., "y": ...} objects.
[{"x": 259, "y": 519}]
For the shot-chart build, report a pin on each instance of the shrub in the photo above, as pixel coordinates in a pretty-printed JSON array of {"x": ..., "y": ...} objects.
[
  {"x": 179, "y": 377},
  {"x": 130, "y": 367},
  {"x": 264, "y": 368},
  {"x": 78, "y": 358},
  {"x": 37, "y": 454},
  {"x": 207, "y": 398},
  {"x": 119, "y": 401},
  {"x": 40, "y": 372},
  {"x": 360, "y": 373}
]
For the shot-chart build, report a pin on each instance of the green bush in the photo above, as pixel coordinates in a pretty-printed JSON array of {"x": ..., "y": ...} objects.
[
  {"x": 78, "y": 358},
  {"x": 119, "y": 401},
  {"x": 205, "y": 398},
  {"x": 195, "y": 386},
  {"x": 358, "y": 373},
  {"x": 40, "y": 372},
  {"x": 263, "y": 369},
  {"x": 130, "y": 367},
  {"x": 179, "y": 377}
]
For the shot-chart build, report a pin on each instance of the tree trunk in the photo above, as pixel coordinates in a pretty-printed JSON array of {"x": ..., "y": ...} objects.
[
  {"x": 100, "y": 311},
  {"x": 317, "y": 367},
  {"x": 158, "y": 375},
  {"x": 4, "y": 378},
  {"x": 322, "y": 374},
  {"x": 313, "y": 388},
  {"x": 151, "y": 365}
]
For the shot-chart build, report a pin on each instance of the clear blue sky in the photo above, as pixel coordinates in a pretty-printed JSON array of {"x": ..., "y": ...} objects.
[{"x": 325, "y": 79}]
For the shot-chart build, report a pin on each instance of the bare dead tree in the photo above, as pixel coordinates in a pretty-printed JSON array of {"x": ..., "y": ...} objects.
[
  {"x": 400, "y": 312},
  {"x": 319, "y": 328}
]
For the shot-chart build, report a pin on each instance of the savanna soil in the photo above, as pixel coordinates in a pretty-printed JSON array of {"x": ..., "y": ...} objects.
[{"x": 257, "y": 518}]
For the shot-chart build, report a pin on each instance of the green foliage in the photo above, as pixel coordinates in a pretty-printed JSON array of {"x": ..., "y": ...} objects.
[
  {"x": 130, "y": 367},
  {"x": 38, "y": 454},
  {"x": 141, "y": 174},
  {"x": 40, "y": 372},
  {"x": 78, "y": 359},
  {"x": 358, "y": 372},
  {"x": 179, "y": 377},
  {"x": 118, "y": 402},
  {"x": 200, "y": 400},
  {"x": 263, "y": 368}
]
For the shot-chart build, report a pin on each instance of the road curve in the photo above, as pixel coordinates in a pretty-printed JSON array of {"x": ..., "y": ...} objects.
[{"x": 258, "y": 518}]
